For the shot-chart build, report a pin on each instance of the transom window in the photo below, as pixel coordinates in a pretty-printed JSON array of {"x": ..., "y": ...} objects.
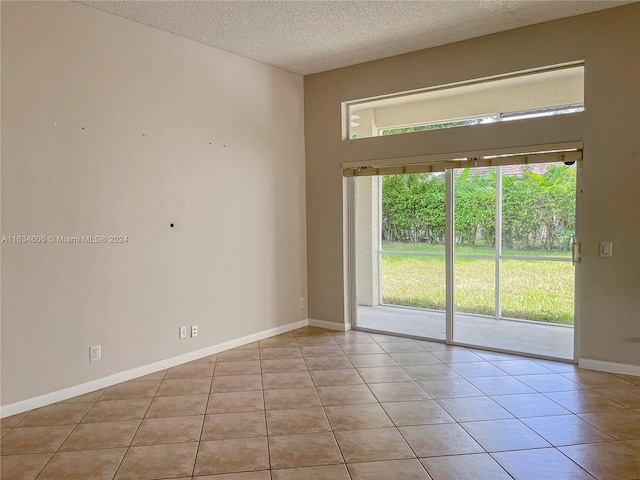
[{"x": 520, "y": 96}]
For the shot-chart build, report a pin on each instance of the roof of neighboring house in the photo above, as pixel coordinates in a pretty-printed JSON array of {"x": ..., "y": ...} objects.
[{"x": 513, "y": 170}]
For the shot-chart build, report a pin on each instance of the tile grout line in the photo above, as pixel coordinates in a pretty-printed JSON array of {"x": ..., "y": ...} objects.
[
  {"x": 264, "y": 406},
  {"x": 327, "y": 416},
  {"x": 115, "y": 474},
  {"x": 335, "y": 439},
  {"x": 383, "y": 409},
  {"x": 204, "y": 420},
  {"x": 66, "y": 438},
  {"x": 397, "y": 427}
]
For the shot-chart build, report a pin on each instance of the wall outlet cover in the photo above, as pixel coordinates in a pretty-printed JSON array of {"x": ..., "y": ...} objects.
[{"x": 95, "y": 353}]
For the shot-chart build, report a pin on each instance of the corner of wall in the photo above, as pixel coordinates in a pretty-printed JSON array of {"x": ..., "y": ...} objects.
[{"x": 342, "y": 327}]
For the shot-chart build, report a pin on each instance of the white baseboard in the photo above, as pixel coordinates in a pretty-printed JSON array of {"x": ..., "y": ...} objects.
[
  {"x": 611, "y": 367},
  {"x": 76, "y": 390},
  {"x": 343, "y": 327}
]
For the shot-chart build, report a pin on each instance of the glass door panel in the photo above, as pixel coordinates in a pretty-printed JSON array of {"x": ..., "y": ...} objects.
[
  {"x": 404, "y": 265},
  {"x": 513, "y": 278},
  {"x": 537, "y": 275},
  {"x": 474, "y": 194}
]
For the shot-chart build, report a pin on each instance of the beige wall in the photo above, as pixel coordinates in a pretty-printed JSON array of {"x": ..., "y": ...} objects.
[
  {"x": 113, "y": 128},
  {"x": 609, "y": 43}
]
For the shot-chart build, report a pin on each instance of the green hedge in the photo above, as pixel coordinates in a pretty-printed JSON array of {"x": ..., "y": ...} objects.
[{"x": 538, "y": 208}]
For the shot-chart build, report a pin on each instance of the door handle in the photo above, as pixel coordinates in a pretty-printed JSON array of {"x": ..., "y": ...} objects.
[{"x": 576, "y": 252}]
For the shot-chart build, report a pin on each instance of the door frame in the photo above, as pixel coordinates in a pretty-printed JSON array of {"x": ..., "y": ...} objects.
[{"x": 349, "y": 238}]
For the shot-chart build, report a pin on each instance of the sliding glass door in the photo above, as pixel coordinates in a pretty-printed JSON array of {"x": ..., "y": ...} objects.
[{"x": 501, "y": 236}]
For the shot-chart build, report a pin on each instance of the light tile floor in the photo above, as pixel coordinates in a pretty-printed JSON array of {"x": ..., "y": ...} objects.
[{"x": 322, "y": 405}]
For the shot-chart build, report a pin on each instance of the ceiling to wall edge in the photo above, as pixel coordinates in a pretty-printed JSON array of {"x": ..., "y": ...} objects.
[{"x": 312, "y": 36}]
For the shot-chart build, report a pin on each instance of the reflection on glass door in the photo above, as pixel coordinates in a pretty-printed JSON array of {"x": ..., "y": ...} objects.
[{"x": 514, "y": 278}]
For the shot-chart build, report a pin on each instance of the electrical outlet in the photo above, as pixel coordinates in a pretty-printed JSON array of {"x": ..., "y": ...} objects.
[
  {"x": 95, "y": 353},
  {"x": 182, "y": 332},
  {"x": 194, "y": 330},
  {"x": 302, "y": 302}
]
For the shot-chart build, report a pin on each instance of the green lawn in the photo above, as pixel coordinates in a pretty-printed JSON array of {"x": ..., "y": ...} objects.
[{"x": 532, "y": 290}]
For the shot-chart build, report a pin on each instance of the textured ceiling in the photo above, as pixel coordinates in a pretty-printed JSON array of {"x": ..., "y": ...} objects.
[{"x": 312, "y": 36}]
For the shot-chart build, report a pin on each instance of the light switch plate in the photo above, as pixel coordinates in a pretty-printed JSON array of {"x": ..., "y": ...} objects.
[{"x": 606, "y": 249}]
